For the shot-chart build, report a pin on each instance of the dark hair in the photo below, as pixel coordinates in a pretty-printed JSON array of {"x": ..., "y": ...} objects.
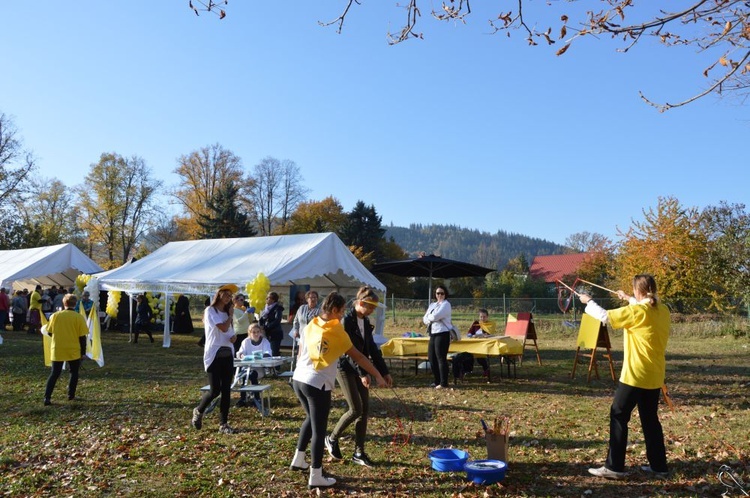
[
  {"x": 482, "y": 310},
  {"x": 334, "y": 300},
  {"x": 441, "y": 286},
  {"x": 274, "y": 296},
  {"x": 646, "y": 285},
  {"x": 215, "y": 301}
]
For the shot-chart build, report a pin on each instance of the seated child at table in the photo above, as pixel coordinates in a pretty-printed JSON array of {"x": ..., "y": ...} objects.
[
  {"x": 254, "y": 344},
  {"x": 482, "y": 327}
]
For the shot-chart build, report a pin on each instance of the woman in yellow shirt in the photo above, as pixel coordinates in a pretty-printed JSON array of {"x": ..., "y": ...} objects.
[
  {"x": 645, "y": 322},
  {"x": 68, "y": 330}
]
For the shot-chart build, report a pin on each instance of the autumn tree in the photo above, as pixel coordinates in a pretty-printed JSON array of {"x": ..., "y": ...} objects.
[
  {"x": 277, "y": 189},
  {"x": 727, "y": 230},
  {"x": 598, "y": 265},
  {"x": 116, "y": 205},
  {"x": 202, "y": 174},
  {"x": 225, "y": 219},
  {"x": 718, "y": 27},
  {"x": 669, "y": 245},
  {"x": 317, "y": 217}
]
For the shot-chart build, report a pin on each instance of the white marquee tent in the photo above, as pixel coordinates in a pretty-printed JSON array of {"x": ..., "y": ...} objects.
[
  {"x": 46, "y": 266},
  {"x": 319, "y": 260}
]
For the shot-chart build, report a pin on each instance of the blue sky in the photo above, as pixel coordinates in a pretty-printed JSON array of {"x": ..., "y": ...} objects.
[{"x": 462, "y": 128}]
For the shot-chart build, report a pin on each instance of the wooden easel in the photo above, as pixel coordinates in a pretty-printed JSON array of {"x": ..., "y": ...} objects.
[
  {"x": 523, "y": 330},
  {"x": 592, "y": 335}
]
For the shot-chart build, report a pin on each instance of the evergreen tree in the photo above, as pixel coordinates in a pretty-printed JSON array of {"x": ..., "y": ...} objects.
[
  {"x": 363, "y": 230},
  {"x": 223, "y": 219}
]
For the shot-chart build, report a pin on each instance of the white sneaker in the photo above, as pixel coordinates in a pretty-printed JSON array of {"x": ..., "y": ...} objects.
[
  {"x": 318, "y": 480},
  {"x": 648, "y": 470},
  {"x": 607, "y": 473}
]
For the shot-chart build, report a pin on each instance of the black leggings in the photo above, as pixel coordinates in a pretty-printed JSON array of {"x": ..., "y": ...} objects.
[
  {"x": 317, "y": 405},
  {"x": 57, "y": 366},
  {"x": 358, "y": 399},
  {"x": 437, "y": 354},
  {"x": 220, "y": 375}
]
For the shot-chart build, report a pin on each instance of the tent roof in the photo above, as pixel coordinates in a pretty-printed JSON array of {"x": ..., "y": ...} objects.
[
  {"x": 320, "y": 260},
  {"x": 46, "y": 266}
]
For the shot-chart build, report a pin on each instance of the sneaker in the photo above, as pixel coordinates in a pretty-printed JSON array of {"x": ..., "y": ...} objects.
[
  {"x": 361, "y": 458},
  {"x": 648, "y": 470},
  {"x": 47, "y": 402},
  {"x": 197, "y": 419},
  {"x": 226, "y": 429},
  {"x": 332, "y": 445},
  {"x": 607, "y": 473}
]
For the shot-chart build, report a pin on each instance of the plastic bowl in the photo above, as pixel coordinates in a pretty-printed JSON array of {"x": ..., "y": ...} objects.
[
  {"x": 448, "y": 459},
  {"x": 485, "y": 471}
]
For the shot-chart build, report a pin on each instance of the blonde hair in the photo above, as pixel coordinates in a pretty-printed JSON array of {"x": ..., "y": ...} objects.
[
  {"x": 253, "y": 326},
  {"x": 367, "y": 293}
]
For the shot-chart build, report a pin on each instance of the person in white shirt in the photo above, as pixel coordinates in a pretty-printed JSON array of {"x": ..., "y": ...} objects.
[
  {"x": 438, "y": 320},
  {"x": 218, "y": 356}
]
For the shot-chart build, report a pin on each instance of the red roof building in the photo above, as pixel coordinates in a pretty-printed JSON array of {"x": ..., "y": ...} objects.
[{"x": 556, "y": 267}]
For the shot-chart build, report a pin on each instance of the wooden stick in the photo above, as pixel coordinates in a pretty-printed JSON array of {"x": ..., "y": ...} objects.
[
  {"x": 571, "y": 290},
  {"x": 595, "y": 285}
]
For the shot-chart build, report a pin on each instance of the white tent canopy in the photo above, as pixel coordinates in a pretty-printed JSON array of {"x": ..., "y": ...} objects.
[
  {"x": 319, "y": 260},
  {"x": 46, "y": 266}
]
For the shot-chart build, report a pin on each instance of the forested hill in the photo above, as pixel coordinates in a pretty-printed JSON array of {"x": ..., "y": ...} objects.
[{"x": 463, "y": 244}]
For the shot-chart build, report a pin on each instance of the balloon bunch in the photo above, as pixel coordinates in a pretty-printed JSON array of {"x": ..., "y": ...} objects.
[
  {"x": 154, "y": 300},
  {"x": 113, "y": 302},
  {"x": 81, "y": 281},
  {"x": 256, "y": 290},
  {"x": 92, "y": 286}
]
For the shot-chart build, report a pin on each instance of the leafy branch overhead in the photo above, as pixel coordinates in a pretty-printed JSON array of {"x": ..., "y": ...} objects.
[{"x": 718, "y": 27}]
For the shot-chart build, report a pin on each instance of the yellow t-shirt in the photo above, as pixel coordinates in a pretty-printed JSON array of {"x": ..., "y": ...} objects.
[
  {"x": 326, "y": 341},
  {"x": 35, "y": 301},
  {"x": 646, "y": 332},
  {"x": 66, "y": 327}
]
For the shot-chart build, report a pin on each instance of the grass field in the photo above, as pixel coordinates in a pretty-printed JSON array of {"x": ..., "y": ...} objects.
[{"x": 129, "y": 433}]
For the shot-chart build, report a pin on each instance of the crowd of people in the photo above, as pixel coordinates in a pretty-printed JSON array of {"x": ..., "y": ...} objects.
[{"x": 335, "y": 343}]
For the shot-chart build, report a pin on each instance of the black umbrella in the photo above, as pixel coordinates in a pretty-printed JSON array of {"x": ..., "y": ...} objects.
[{"x": 431, "y": 266}]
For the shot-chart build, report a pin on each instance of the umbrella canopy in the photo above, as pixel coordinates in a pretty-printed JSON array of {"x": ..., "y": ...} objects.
[{"x": 431, "y": 266}]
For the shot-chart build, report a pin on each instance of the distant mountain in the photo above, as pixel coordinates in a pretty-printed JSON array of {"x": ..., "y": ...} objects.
[{"x": 473, "y": 246}]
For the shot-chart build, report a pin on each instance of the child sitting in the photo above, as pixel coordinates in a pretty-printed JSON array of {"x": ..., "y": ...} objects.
[
  {"x": 482, "y": 328},
  {"x": 252, "y": 346}
]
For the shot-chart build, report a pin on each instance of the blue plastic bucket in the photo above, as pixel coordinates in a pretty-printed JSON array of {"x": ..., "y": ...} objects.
[
  {"x": 448, "y": 459},
  {"x": 485, "y": 471}
]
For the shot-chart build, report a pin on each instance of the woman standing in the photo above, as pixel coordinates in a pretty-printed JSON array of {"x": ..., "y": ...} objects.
[
  {"x": 645, "y": 323},
  {"x": 218, "y": 356},
  {"x": 183, "y": 323},
  {"x": 305, "y": 313},
  {"x": 270, "y": 320},
  {"x": 142, "y": 318},
  {"x": 322, "y": 342},
  {"x": 68, "y": 330},
  {"x": 439, "y": 325},
  {"x": 354, "y": 380}
]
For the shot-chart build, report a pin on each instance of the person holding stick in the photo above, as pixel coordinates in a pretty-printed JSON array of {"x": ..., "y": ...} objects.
[
  {"x": 322, "y": 342},
  {"x": 354, "y": 380},
  {"x": 646, "y": 323}
]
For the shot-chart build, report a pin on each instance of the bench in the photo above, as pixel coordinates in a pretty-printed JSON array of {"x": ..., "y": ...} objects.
[
  {"x": 262, "y": 389},
  {"x": 508, "y": 360}
]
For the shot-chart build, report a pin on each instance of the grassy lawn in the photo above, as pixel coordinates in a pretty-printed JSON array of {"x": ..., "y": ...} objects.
[{"x": 129, "y": 433}]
